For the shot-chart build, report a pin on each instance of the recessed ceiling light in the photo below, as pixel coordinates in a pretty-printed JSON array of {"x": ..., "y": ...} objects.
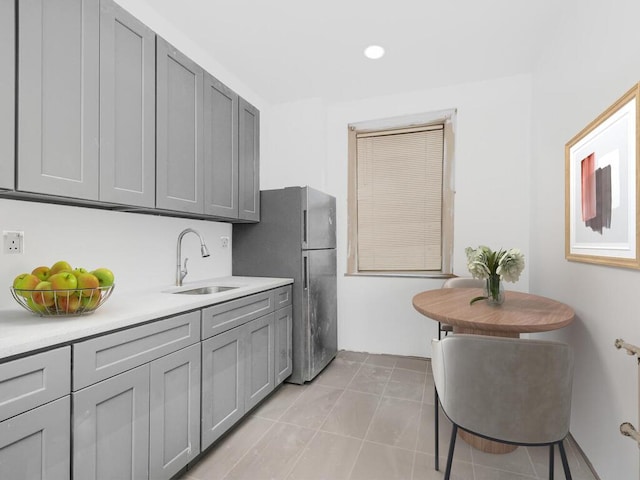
[{"x": 374, "y": 52}]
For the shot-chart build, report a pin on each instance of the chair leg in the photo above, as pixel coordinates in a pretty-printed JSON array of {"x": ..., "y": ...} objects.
[
  {"x": 452, "y": 446},
  {"x": 551, "y": 459},
  {"x": 565, "y": 464},
  {"x": 439, "y": 331},
  {"x": 436, "y": 429}
]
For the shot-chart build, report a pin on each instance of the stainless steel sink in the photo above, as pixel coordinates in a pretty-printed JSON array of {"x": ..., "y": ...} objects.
[{"x": 205, "y": 290}]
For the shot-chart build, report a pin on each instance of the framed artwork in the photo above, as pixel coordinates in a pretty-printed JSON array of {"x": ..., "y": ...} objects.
[{"x": 601, "y": 189}]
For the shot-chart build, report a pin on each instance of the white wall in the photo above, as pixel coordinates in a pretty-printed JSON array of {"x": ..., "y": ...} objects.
[
  {"x": 588, "y": 66},
  {"x": 492, "y": 201},
  {"x": 139, "y": 249}
]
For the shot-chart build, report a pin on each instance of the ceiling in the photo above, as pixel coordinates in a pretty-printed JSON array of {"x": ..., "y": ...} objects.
[{"x": 287, "y": 50}]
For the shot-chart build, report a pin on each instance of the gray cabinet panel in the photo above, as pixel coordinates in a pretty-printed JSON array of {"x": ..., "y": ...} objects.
[
  {"x": 7, "y": 93},
  {"x": 36, "y": 444},
  {"x": 259, "y": 367},
  {"x": 223, "y": 370},
  {"x": 127, "y": 108},
  {"x": 222, "y": 317},
  {"x": 175, "y": 412},
  {"x": 32, "y": 381},
  {"x": 220, "y": 149},
  {"x": 179, "y": 148},
  {"x": 58, "y": 97},
  {"x": 283, "y": 352},
  {"x": 282, "y": 297},
  {"x": 111, "y": 428},
  {"x": 105, "y": 356},
  {"x": 249, "y": 162}
]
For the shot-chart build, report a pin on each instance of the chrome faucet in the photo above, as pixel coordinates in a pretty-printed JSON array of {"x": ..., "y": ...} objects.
[{"x": 180, "y": 271}]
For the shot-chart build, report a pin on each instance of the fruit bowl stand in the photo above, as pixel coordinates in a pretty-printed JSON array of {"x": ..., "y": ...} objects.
[{"x": 58, "y": 303}]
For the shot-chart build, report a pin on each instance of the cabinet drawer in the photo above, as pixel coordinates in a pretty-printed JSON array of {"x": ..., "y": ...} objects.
[
  {"x": 32, "y": 381},
  {"x": 282, "y": 296},
  {"x": 106, "y": 356},
  {"x": 225, "y": 316}
]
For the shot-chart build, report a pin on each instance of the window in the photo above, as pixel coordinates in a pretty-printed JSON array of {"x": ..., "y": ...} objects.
[{"x": 401, "y": 196}]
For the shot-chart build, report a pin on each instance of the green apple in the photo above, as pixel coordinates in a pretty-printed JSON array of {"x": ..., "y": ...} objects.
[
  {"x": 90, "y": 303},
  {"x": 87, "y": 284},
  {"x": 78, "y": 270},
  {"x": 43, "y": 294},
  {"x": 25, "y": 281},
  {"x": 104, "y": 275},
  {"x": 36, "y": 307},
  {"x": 63, "y": 281},
  {"x": 60, "y": 266},
  {"x": 43, "y": 273},
  {"x": 67, "y": 302}
]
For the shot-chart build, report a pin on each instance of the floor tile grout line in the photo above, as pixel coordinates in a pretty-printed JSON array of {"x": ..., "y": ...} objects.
[
  {"x": 364, "y": 438},
  {"x": 317, "y": 430}
]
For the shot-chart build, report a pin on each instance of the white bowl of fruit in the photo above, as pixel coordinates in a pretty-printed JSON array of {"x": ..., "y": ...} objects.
[{"x": 61, "y": 290}]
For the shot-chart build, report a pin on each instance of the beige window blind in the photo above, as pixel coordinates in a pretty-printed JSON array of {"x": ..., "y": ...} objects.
[{"x": 399, "y": 199}]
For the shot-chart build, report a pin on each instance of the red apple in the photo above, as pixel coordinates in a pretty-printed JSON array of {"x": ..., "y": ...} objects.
[
  {"x": 43, "y": 273},
  {"x": 25, "y": 281},
  {"x": 43, "y": 295},
  {"x": 60, "y": 266},
  {"x": 63, "y": 281},
  {"x": 67, "y": 302},
  {"x": 88, "y": 284},
  {"x": 105, "y": 276}
]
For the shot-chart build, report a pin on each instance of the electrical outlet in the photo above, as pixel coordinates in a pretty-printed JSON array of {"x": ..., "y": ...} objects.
[
  {"x": 224, "y": 242},
  {"x": 13, "y": 242}
]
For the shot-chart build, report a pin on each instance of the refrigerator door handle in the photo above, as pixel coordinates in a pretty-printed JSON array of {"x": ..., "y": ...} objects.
[
  {"x": 304, "y": 228},
  {"x": 305, "y": 273}
]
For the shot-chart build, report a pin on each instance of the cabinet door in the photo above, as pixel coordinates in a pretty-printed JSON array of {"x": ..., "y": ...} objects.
[
  {"x": 175, "y": 412},
  {"x": 249, "y": 162},
  {"x": 7, "y": 93},
  {"x": 283, "y": 346},
  {"x": 179, "y": 152},
  {"x": 36, "y": 444},
  {"x": 222, "y": 384},
  {"x": 127, "y": 108},
  {"x": 58, "y": 97},
  {"x": 259, "y": 355},
  {"x": 111, "y": 428},
  {"x": 220, "y": 149}
]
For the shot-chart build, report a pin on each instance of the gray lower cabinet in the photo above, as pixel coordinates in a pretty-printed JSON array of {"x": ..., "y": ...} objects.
[
  {"x": 58, "y": 97},
  {"x": 7, "y": 94},
  {"x": 179, "y": 129},
  {"x": 259, "y": 359},
  {"x": 174, "y": 412},
  {"x": 220, "y": 149},
  {"x": 223, "y": 383},
  {"x": 36, "y": 444},
  {"x": 283, "y": 350},
  {"x": 249, "y": 162},
  {"x": 127, "y": 108},
  {"x": 111, "y": 428}
]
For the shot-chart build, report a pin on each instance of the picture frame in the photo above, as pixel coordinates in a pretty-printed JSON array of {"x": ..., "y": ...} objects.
[{"x": 601, "y": 187}]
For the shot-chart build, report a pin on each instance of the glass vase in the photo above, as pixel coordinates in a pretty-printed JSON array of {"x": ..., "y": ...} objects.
[{"x": 494, "y": 290}]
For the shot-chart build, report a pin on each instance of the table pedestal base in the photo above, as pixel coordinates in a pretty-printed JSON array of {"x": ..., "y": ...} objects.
[{"x": 479, "y": 443}]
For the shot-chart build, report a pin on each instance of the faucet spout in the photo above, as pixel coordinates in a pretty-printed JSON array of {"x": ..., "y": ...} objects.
[{"x": 181, "y": 271}]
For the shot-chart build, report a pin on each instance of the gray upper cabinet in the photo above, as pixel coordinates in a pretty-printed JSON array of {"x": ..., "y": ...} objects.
[
  {"x": 7, "y": 93},
  {"x": 179, "y": 147},
  {"x": 220, "y": 149},
  {"x": 127, "y": 108},
  {"x": 249, "y": 162},
  {"x": 58, "y": 97}
]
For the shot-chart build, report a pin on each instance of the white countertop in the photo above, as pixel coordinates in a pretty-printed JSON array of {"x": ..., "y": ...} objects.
[{"x": 22, "y": 331}]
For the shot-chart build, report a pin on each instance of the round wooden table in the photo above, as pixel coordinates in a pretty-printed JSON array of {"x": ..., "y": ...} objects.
[{"x": 520, "y": 313}]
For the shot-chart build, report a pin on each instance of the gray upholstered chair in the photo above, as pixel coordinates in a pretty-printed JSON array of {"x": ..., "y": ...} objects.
[
  {"x": 456, "y": 282},
  {"x": 512, "y": 390}
]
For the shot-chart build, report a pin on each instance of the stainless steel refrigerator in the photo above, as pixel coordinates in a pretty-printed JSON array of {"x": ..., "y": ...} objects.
[{"x": 296, "y": 238}]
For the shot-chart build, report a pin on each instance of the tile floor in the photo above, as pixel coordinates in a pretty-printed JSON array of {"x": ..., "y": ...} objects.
[{"x": 364, "y": 417}]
